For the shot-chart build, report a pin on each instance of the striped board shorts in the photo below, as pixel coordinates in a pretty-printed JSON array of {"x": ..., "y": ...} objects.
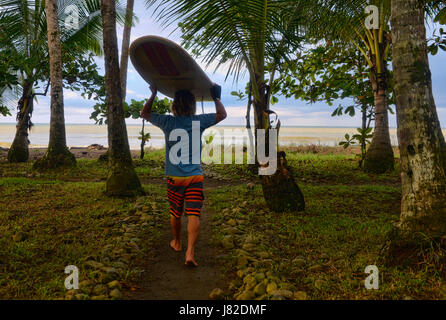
[{"x": 185, "y": 189}]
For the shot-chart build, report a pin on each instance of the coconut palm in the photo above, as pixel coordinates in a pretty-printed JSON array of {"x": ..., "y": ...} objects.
[
  {"x": 346, "y": 22},
  {"x": 422, "y": 144},
  {"x": 122, "y": 179},
  {"x": 247, "y": 35},
  {"x": 8, "y": 78},
  {"x": 125, "y": 47},
  {"x": 23, "y": 28},
  {"x": 57, "y": 154}
]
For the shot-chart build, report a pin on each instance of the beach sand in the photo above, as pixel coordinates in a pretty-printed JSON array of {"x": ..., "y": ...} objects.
[
  {"x": 79, "y": 153},
  {"x": 83, "y": 135}
]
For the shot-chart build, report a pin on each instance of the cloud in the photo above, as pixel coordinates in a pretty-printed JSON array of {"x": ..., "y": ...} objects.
[
  {"x": 71, "y": 95},
  {"x": 290, "y": 111}
]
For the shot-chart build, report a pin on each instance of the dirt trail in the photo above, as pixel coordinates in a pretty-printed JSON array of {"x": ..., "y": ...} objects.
[{"x": 165, "y": 276}]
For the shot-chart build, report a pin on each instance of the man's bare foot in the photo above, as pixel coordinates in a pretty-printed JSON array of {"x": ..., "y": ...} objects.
[
  {"x": 190, "y": 261},
  {"x": 175, "y": 245}
]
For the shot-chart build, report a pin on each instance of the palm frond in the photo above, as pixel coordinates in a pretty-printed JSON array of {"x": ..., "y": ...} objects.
[
  {"x": 239, "y": 34},
  {"x": 23, "y": 31}
]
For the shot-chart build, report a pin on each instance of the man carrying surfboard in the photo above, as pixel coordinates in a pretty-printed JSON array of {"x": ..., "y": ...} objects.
[{"x": 185, "y": 178}]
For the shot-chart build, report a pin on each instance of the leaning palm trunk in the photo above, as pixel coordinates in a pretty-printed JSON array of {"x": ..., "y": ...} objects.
[
  {"x": 249, "y": 31},
  {"x": 280, "y": 189},
  {"x": 19, "y": 151},
  {"x": 58, "y": 154},
  {"x": 422, "y": 145},
  {"x": 346, "y": 21},
  {"x": 122, "y": 179},
  {"x": 380, "y": 157},
  {"x": 125, "y": 47}
]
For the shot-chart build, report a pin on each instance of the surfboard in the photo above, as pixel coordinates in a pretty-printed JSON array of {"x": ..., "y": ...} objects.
[{"x": 167, "y": 65}]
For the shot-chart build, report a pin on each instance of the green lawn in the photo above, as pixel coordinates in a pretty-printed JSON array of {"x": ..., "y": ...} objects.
[
  {"x": 51, "y": 220},
  {"x": 47, "y": 225}
]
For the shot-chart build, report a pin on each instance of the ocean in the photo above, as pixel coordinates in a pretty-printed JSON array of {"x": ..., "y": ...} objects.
[{"x": 83, "y": 135}]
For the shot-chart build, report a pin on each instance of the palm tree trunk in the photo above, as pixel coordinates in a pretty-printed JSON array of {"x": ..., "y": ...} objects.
[
  {"x": 422, "y": 144},
  {"x": 280, "y": 190},
  {"x": 364, "y": 128},
  {"x": 125, "y": 47},
  {"x": 122, "y": 179},
  {"x": 58, "y": 154},
  {"x": 380, "y": 157},
  {"x": 143, "y": 140},
  {"x": 19, "y": 151}
]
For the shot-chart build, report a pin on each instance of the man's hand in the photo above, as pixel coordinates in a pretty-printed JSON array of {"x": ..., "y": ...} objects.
[
  {"x": 154, "y": 90},
  {"x": 220, "y": 109},
  {"x": 147, "y": 109},
  {"x": 215, "y": 92}
]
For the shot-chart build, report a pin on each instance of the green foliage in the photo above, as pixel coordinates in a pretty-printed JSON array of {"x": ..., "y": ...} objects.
[
  {"x": 131, "y": 110},
  {"x": 9, "y": 64},
  {"x": 80, "y": 73},
  {"x": 209, "y": 137},
  {"x": 24, "y": 47},
  {"x": 144, "y": 136},
  {"x": 436, "y": 9},
  {"x": 362, "y": 138},
  {"x": 438, "y": 41},
  {"x": 329, "y": 72},
  {"x": 4, "y": 111},
  {"x": 239, "y": 94},
  {"x": 349, "y": 141}
]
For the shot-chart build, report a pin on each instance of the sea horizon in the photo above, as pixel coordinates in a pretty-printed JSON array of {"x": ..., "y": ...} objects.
[
  {"x": 85, "y": 134},
  {"x": 218, "y": 125}
]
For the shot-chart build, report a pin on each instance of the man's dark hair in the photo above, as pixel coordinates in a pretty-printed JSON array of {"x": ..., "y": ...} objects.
[{"x": 184, "y": 103}]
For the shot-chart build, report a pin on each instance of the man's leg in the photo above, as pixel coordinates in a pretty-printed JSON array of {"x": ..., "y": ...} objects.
[
  {"x": 175, "y": 194},
  {"x": 193, "y": 227},
  {"x": 194, "y": 201},
  {"x": 176, "y": 230}
]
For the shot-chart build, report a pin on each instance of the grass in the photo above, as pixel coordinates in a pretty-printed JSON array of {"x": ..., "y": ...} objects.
[
  {"x": 339, "y": 234},
  {"x": 51, "y": 220},
  {"x": 62, "y": 223},
  {"x": 343, "y": 229},
  {"x": 87, "y": 170}
]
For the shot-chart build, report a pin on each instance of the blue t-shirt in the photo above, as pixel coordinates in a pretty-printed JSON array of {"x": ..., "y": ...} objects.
[{"x": 183, "y": 153}]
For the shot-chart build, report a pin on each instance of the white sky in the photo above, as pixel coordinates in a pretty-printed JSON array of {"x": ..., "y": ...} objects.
[{"x": 291, "y": 112}]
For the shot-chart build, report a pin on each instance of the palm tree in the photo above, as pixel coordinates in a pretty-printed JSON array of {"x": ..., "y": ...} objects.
[
  {"x": 58, "y": 154},
  {"x": 345, "y": 21},
  {"x": 24, "y": 32},
  {"x": 422, "y": 144},
  {"x": 246, "y": 34},
  {"x": 8, "y": 77},
  {"x": 125, "y": 47},
  {"x": 122, "y": 179}
]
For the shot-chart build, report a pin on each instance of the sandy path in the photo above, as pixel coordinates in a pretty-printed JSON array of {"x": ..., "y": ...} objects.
[{"x": 165, "y": 276}]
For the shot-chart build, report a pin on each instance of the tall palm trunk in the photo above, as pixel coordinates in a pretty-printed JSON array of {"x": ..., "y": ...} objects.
[
  {"x": 122, "y": 179},
  {"x": 58, "y": 154},
  {"x": 422, "y": 145},
  {"x": 379, "y": 157},
  {"x": 19, "y": 151},
  {"x": 125, "y": 47},
  {"x": 280, "y": 190}
]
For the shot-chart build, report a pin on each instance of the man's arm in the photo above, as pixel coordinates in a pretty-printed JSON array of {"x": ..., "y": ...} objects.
[
  {"x": 147, "y": 110},
  {"x": 221, "y": 111},
  {"x": 219, "y": 107}
]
